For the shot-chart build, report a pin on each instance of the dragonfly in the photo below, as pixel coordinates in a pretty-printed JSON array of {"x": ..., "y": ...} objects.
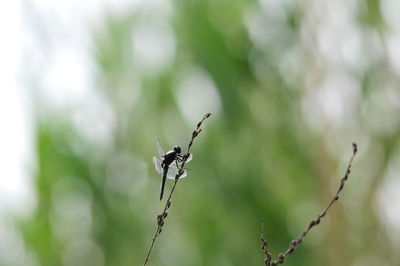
[{"x": 168, "y": 164}]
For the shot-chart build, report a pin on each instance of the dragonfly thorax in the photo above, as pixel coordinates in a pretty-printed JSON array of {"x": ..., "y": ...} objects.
[{"x": 169, "y": 157}]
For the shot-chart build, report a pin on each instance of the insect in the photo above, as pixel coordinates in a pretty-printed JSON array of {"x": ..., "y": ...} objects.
[{"x": 167, "y": 164}]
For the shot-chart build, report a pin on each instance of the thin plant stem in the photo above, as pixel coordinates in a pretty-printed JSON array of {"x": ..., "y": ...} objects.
[
  {"x": 161, "y": 218},
  {"x": 294, "y": 243},
  {"x": 264, "y": 247}
]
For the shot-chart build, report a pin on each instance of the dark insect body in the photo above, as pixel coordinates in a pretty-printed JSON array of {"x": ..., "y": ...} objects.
[{"x": 169, "y": 157}]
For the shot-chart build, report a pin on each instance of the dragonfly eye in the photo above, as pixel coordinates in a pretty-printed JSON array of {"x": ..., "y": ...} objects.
[{"x": 177, "y": 149}]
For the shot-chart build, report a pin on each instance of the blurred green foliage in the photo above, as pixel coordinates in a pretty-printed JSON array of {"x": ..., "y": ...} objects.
[{"x": 257, "y": 159}]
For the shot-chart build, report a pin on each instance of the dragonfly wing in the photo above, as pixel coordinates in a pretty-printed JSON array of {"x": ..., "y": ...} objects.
[
  {"x": 157, "y": 163},
  {"x": 160, "y": 149},
  {"x": 173, "y": 171},
  {"x": 184, "y": 174},
  {"x": 190, "y": 157}
]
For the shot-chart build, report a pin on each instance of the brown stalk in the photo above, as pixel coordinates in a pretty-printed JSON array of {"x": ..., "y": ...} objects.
[
  {"x": 161, "y": 217},
  {"x": 295, "y": 242}
]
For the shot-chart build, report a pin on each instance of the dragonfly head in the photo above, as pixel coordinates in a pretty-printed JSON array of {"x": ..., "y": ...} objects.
[{"x": 177, "y": 149}]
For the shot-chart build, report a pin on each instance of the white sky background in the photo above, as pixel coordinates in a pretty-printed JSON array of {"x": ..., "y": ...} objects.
[
  {"x": 15, "y": 135},
  {"x": 40, "y": 42},
  {"x": 15, "y": 131},
  {"x": 46, "y": 60}
]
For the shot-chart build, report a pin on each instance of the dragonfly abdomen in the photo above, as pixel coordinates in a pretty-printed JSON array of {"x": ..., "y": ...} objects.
[{"x": 164, "y": 178}]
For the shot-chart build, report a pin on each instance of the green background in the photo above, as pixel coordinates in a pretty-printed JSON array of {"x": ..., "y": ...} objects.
[{"x": 273, "y": 151}]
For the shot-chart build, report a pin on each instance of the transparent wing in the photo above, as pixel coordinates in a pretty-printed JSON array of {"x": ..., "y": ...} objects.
[
  {"x": 160, "y": 149},
  {"x": 190, "y": 157},
  {"x": 157, "y": 163},
  {"x": 173, "y": 171}
]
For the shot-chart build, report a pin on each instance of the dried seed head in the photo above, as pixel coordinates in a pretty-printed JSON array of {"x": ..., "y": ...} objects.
[
  {"x": 281, "y": 258},
  {"x": 159, "y": 219},
  {"x": 355, "y": 148},
  {"x": 336, "y": 198}
]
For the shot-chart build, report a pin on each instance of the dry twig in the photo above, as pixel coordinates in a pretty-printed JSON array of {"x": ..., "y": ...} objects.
[
  {"x": 161, "y": 218},
  {"x": 294, "y": 243}
]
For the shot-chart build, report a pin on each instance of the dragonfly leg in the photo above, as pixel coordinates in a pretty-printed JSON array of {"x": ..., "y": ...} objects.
[{"x": 180, "y": 158}]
